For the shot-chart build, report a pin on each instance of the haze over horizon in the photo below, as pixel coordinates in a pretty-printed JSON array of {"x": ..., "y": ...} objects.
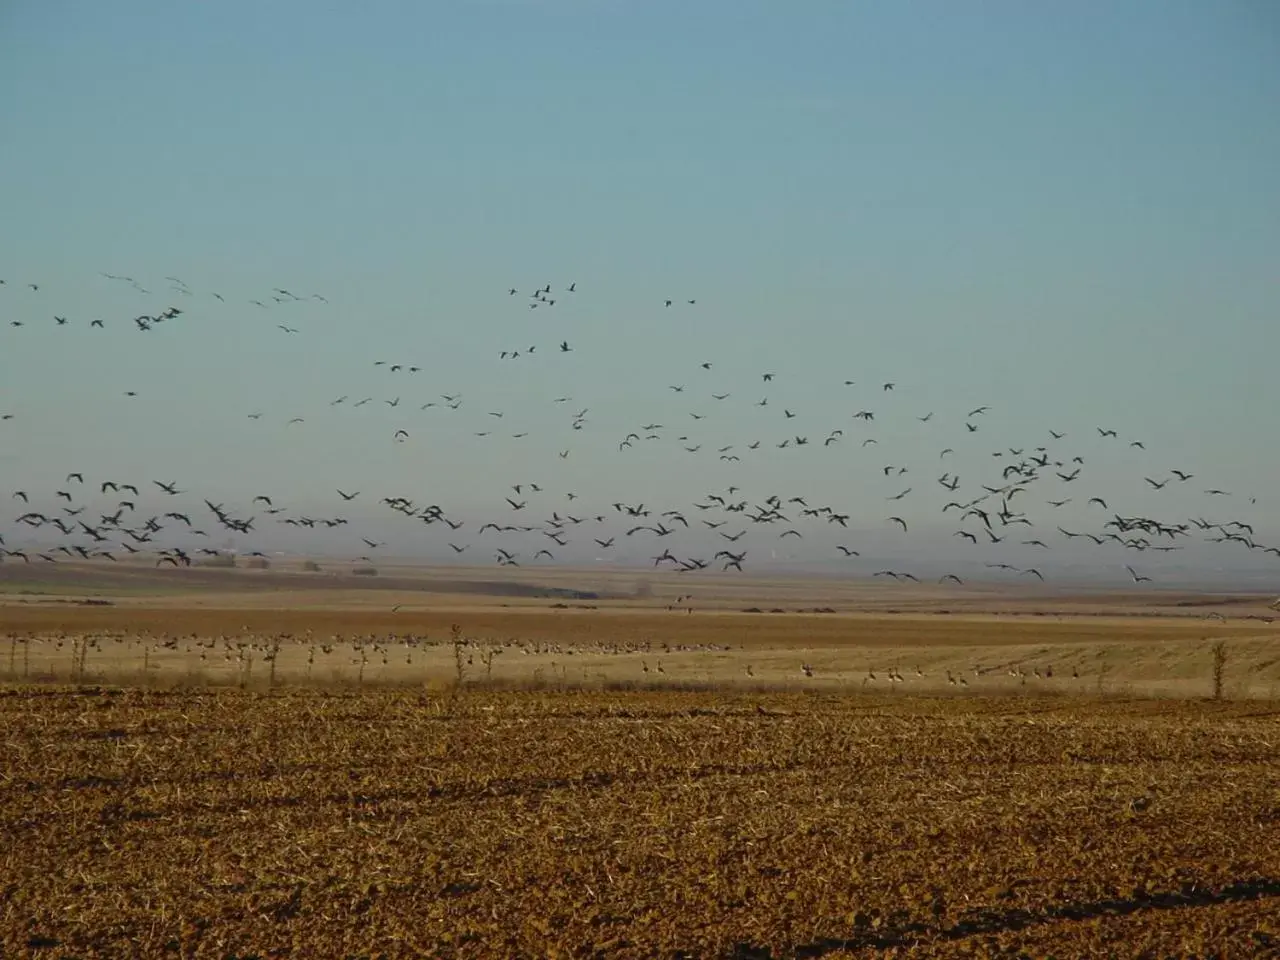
[{"x": 1068, "y": 216}]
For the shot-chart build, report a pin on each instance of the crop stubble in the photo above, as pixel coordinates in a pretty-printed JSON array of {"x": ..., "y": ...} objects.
[{"x": 634, "y": 824}]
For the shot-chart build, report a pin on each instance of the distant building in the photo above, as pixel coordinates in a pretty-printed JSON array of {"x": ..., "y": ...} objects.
[{"x": 225, "y": 560}]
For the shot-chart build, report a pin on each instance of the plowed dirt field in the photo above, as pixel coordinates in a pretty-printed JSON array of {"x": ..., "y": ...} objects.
[{"x": 643, "y": 824}]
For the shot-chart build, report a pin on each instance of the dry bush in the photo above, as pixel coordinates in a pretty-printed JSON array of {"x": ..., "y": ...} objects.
[{"x": 1219, "y": 667}]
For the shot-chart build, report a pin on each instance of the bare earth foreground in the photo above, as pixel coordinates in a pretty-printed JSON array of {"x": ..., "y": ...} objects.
[
  {"x": 635, "y": 824},
  {"x": 235, "y": 767}
]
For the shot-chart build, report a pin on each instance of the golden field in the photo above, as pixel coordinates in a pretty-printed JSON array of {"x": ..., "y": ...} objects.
[
  {"x": 266, "y": 767},
  {"x": 207, "y": 627}
]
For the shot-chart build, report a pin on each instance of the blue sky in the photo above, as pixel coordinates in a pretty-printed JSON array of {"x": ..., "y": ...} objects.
[{"x": 1069, "y": 213}]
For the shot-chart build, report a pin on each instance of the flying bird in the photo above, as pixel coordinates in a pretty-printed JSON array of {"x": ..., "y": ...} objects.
[{"x": 1134, "y": 574}]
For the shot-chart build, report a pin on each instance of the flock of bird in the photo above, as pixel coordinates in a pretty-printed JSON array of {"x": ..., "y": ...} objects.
[
  {"x": 599, "y": 659},
  {"x": 1015, "y": 501}
]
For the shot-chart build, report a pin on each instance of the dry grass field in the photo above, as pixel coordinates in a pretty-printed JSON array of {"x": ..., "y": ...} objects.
[
  {"x": 257, "y": 631},
  {"x": 260, "y": 767}
]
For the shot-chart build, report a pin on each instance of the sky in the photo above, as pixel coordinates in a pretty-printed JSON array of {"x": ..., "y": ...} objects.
[{"x": 1069, "y": 213}]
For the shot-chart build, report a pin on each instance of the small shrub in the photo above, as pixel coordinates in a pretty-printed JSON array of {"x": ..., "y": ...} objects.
[{"x": 1219, "y": 667}]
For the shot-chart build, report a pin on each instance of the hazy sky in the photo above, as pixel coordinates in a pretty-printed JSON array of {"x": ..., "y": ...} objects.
[{"x": 1070, "y": 213}]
